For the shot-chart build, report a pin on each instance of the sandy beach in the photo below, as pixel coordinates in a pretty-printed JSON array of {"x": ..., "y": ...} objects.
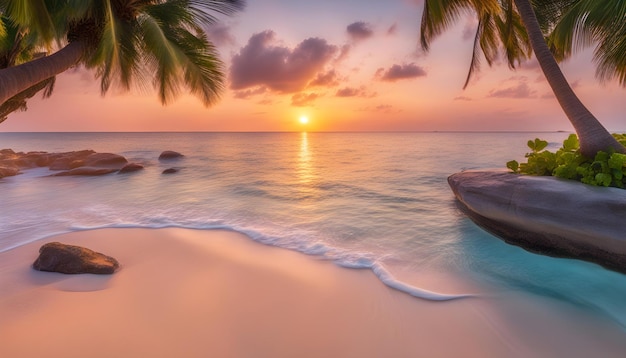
[{"x": 201, "y": 293}]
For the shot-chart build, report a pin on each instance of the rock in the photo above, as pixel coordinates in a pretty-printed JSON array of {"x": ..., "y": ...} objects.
[
  {"x": 69, "y": 259},
  {"x": 170, "y": 171},
  {"x": 131, "y": 167},
  {"x": 547, "y": 215},
  {"x": 68, "y": 160},
  {"x": 169, "y": 154},
  {"x": 8, "y": 171},
  {"x": 86, "y": 171},
  {"x": 105, "y": 160}
]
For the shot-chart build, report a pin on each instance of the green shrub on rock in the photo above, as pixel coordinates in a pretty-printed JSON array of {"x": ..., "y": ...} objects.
[{"x": 606, "y": 169}]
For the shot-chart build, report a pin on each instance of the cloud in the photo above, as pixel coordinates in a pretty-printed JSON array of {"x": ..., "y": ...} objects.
[
  {"x": 469, "y": 30},
  {"x": 326, "y": 79},
  {"x": 354, "y": 92},
  {"x": 360, "y": 30},
  {"x": 382, "y": 108},
  {"x": 250, "y": 93},
  {"x": 263, "y": 63},
  {"x": 517, "y": 90},
  {"x": 392, "y": 30},
  {"x": 219, "y": 34},
  {"x": 304, "y": 99},
  {"x": 343, "y": 53},
  {"x": 462, "y": 98},
  {"x": 400, "y": 72}
]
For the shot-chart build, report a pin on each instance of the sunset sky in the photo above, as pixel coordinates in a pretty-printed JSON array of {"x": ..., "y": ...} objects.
[{"x": 347, "y": 65}]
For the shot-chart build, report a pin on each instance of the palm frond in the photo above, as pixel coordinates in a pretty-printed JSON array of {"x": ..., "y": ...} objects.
[
  {"x": 438, "y": 16},
  {"x": 181, "y": 59},
  {"x": 33, "y": 15},
  {"x": 601, "y": 23},
  {"x": 116, "y": 57},
  {"x": 162, "y": 55}
]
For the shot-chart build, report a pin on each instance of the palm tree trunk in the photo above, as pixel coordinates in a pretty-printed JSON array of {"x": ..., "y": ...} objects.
[
  {"x": 592, "y": 135},
  {"x": 14, "y": 80}
]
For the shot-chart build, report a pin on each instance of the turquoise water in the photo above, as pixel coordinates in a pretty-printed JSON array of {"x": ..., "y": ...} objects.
[{"x": 365, "y": 200}]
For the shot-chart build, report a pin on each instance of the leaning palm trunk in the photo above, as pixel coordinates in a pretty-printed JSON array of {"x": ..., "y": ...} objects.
[
  {"x": 14, "y": 80},
  {"x": 592, "y": 135}
]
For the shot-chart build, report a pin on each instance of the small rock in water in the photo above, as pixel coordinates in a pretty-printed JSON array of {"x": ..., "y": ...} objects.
[
  {"x": 170, "y": 171},
  {"x": 70, "y": 259},
  {"x": 169, "y": 154},
  {"x": 131, "y": 167}
]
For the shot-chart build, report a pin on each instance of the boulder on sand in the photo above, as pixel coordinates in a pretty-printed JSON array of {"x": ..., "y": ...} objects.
[
  {"x": 70, "y": 259},
  {"x": 547, "y": 215}
]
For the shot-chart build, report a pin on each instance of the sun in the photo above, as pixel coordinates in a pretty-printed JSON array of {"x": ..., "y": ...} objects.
[{"x": 304, "y": 120}]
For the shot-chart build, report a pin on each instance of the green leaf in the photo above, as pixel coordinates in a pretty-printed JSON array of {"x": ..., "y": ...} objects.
[
  {"x": 513, "y": 165},
  {"x": 540, "y": 144},
  {"x": 571, "y": 143},
  {"x": 617, "y": 161},
  {"x": 604, "y": 179}
]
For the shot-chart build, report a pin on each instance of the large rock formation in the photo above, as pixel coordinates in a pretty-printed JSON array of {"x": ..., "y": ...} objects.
[
  {"x": 547, "y": 215},
  {"x": 69, "y": 259},
  {"x": 82, "y": 162},
  {"x": 85, "y": 171}
]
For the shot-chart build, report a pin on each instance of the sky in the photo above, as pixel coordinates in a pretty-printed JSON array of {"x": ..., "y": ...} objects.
[{"x": 346, "y": 65}]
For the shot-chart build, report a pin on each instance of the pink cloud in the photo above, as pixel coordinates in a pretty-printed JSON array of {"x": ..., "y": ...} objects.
[
  {"x": 326, "y": 79},
  {"x": 400, "y": 72},
  {"x": 250, "y": 93},
  {"x": 303, "y": 99},
  {"x": 519, "y": 89},
  {"x": 354, "y": 92},
  {"x": 219, "y": 34},
  {"x": 263, "y": 63},
  {"x": 360, "y": 30}
]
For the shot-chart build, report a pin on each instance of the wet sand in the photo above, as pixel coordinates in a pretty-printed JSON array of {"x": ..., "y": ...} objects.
[{"x": 201, "y": 293}]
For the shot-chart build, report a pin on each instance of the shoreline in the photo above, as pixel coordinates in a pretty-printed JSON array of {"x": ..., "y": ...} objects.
[{"x": 193, "y": 293}]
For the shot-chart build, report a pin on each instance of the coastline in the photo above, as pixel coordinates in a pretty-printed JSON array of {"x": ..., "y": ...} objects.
[{"x": 193, "y": 293}]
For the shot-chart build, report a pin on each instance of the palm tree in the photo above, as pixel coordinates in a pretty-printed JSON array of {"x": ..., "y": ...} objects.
[
  {"x": 440, "y": 14},
  {"x": 581, "y": 23},
  {"x": 127, "y": 42},
  {"x": 16, "y": 47}
]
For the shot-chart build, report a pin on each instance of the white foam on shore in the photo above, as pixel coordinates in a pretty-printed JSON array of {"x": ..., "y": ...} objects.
[{"x": 341, "y": 257}]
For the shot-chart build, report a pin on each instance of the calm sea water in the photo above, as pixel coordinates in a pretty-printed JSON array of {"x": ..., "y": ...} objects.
[{"x": 372, "y": 200}]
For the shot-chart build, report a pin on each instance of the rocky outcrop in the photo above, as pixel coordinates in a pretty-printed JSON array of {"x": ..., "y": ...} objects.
[
  {"x": 105, "y": 160},
  {"x": 130, "y": 167},
  {"x": 69, "y": 259},
  {"x": 169, "y": 154},
  {"x": 547, "y": 215},
  {"x": 82, "y": 162},
  {"x": 86, "y": 171},
  {"x": 66, "y": 160},
  {"x": 8, "y": 171}
]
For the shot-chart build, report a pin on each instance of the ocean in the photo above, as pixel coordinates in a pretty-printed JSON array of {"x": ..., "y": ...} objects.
[{"x": 376, "y": 201}]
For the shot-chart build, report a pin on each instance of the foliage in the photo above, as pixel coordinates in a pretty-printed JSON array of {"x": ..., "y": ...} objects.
[
  {"x": 605, "y": 169},
  {"x": 133, "y": 43},
  {"x": 499, "y": 30}
]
